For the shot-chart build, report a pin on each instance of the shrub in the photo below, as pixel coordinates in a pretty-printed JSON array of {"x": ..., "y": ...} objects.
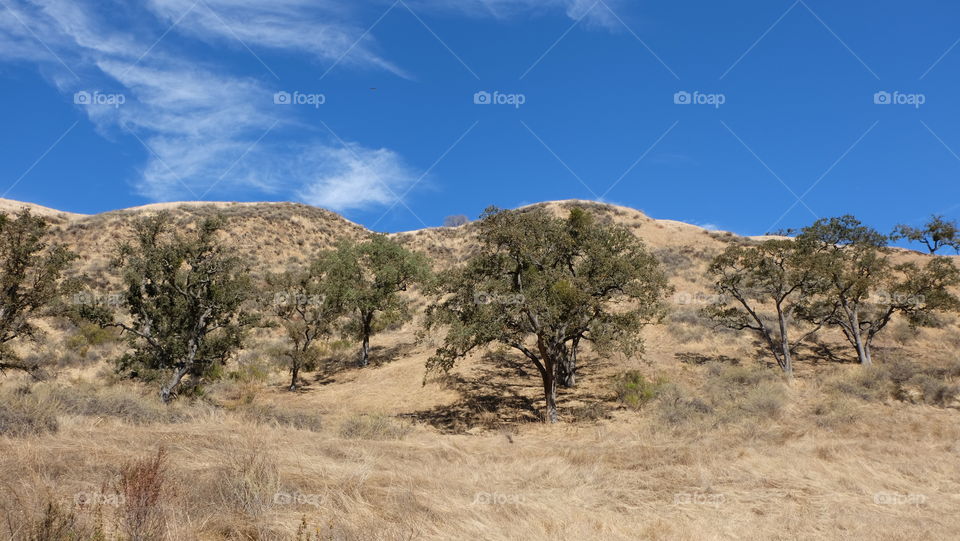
[
  {"x": 676, "y": 407},
  {"x": 935, "y": 392},
  {"x": 53, "y": 524},
  {"x": 373, "y": 427},
  {"x": 118, "y": 402},
  {"x": 23, "y": 414},
  {"x": 833, "y": 412},
  {"x": 634, "y": 390},
  {"x": 280, "y": 417},
  {"x": 869, "y": 383},
  {"x": 142, "y": 485}
]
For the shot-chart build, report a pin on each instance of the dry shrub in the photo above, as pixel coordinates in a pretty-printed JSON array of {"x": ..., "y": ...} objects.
[
  {"x": 282, "y": 417},
  {"x": 121, "y": 402},
  {"x": 935, "y": 392},
  {"x": 834, "y": 412},
  {"x": 244, "y": 489},
  {"x": 52, "y": 523},
  {"x": 869, "y": 383},
  {"x": 373, "y": 427},
  {"x": 22, "y": 413},
  {"x": 728, "y": 394},
  {"x": 143, "y": 486}
]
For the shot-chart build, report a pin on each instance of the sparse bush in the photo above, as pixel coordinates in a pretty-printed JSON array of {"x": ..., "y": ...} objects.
[
  {"x": 635, "y": 391},
  {"x": 245, "y": 488},
  {"x": 373, "y": 427},
  {"x": 869, "y": 383},
  {"x": 54, "y": 523},
  {"x": 280, "y": 417},
  {"x": 935, "y": 392},
  {"x": 23, "y": 414},
  {"x": 677, "y": 407},
  {"x": 142, "y": 485},
  {"x": 119, "y": 402},
  {"x": 834, "y": 412}
]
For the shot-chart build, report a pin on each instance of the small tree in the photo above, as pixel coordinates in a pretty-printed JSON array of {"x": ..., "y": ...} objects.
[
  {"x": 935, "y": 234},
  {"x": 455, "y": 221},
  {"x": 778, "y": 275},
  {"x": 863, "y": 289},
  {"x": 31, "y": 283},
  {"x": 853, "y": 270},
  {"x": 367, "y": 278},
  {"x": 300, "y": 300},
  {"x": 540, "y": 283},
  {"x": 184, "y": 301}
]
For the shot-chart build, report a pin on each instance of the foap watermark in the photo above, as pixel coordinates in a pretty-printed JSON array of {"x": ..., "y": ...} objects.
[
  {"x": 705, "y": 299},
  {"x": 296, "y": 299},
  {"x": 299, "y": 98},
  {"x": 499, "y": 98},
  {"x": 96, "y": 97},
  {"x": 896, "y": 97},
  {"x": 86, "y": 299},
  {"x": 899, "y": 299},
  {"x": 495, "y": 498},
  {"x": 99, "y": 498},
  {"x": 699, "y": 498},
  {"x": 895, "y": 498},
  {"x": 696, "y": 97},
  {"x": 296, "y": 498},
  {"x": 483, "y": 297}
]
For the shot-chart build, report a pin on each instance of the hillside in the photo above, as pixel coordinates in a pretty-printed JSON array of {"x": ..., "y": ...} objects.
[{"x": 382, "y": 453}]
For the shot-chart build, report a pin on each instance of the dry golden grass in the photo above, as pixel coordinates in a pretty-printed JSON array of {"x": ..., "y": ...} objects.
[{"x": 724, "y": 452}]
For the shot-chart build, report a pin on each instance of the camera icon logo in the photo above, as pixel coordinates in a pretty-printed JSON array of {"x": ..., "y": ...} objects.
[
  {"x": 82, "y": 98},
  {"x": 482, "y": 98},
  {"x": 282, "y": 98},
  {"x": 682, "y": 98},
  {"x": 882, "y": 98}
]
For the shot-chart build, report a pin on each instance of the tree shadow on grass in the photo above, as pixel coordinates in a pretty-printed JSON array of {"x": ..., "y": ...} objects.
[
  {"x": 505, "y": 391},
  {"x": 497, "y": 394}
]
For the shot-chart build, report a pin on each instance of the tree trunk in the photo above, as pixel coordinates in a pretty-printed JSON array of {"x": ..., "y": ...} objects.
[
  {"x": 567, "y": 368},
  {"x": 785, "y": 344},
  {"x": 294, "y": 375},
  {"x": 367, "y": 323},
  {"x": 856, "y": 336},
  {"x": 168, "y": 389},
  {"x": 550, "y": 391}
]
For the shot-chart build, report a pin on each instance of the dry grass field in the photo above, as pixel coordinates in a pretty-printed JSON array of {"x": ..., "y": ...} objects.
[{"x": 699, "y": 438}]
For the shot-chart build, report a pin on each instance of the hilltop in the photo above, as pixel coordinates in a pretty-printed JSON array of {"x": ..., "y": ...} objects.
[{"x": 390, "y": 454}]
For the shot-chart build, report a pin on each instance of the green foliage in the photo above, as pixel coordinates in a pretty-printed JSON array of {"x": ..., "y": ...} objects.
[
  {"x": 366, "y": 279},
  {"x": 31, "y": 283},
  {"x": 540, "y": 284},
  {"x": 935, "y": 234},
  {"x": 307, "y": 305},
  {"x": 634, "y": 390},
  {"x": 863, "y": 290},
  {"x": 184, "y": 302},
  {"x": 762, "y": 288}
]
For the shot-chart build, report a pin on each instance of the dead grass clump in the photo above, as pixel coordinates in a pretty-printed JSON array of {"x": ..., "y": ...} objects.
[
  {"x": 868, "y": 383},
  {"x": 834, "y": 412},
  {"x": 373, "y": 427},
  {"x": 121, "y": 402},
  {"x": 282, "y": 417},
  {"x": 728, "y": 394},
  {"x": 244, "y": 490},
  {"x": 935, "y": 392},
  {"x": 142, "y": 486},
  {"x": 23, "y": 413},
  {"x": 53, "y": 523}
]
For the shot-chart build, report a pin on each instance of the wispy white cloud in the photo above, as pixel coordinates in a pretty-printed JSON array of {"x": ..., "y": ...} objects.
[
  {"x": 206, "y": 131},
  {"x": 590, "y": 11}
]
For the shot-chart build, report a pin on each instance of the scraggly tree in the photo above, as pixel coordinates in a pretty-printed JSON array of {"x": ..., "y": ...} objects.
[
  {"x": 368, "y": 278},
  {"x": 778, "y": 276},
  {"x": 31, "y": 283},
  {"x": 935, "y": 234},
  {"x": 540, "y": 284},
  {"x": 184, "y": 297},
  {"x": 303, "y": 304}
]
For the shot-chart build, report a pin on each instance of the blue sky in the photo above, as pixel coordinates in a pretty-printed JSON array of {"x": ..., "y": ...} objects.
[{"x": 370, "y": 108}]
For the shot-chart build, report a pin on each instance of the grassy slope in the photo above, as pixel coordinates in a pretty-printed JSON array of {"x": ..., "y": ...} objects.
[{"x": 606, "y": 472}]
